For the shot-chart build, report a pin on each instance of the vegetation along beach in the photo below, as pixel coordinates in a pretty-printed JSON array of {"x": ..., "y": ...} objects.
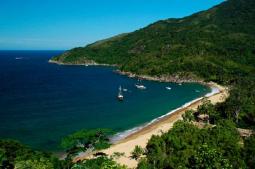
[{"x": 177, "y": 93}]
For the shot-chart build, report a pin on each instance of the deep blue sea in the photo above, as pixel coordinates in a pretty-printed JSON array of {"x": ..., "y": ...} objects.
[{"x": 40, "y": 102}]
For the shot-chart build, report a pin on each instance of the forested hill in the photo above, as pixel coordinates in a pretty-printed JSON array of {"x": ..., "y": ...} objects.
[
  {"x": 220, "y": 40},
  {"x": 216, "y": 45}
]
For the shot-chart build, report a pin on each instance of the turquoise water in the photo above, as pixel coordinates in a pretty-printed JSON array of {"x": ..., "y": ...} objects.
[{"x": 40, "y": 102}]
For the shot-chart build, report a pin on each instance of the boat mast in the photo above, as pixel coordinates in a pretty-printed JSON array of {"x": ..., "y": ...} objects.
[{"x": 120, "y": 91}]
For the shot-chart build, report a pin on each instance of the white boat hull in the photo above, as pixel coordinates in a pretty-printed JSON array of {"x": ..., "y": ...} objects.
[{"x": 140, "y": 87}]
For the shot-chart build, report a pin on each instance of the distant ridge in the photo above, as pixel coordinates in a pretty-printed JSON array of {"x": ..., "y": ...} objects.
[{"x": 215, "y": 44}]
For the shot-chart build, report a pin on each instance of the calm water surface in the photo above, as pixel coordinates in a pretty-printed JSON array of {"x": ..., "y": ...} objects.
[{"x": 41, "y": 102}]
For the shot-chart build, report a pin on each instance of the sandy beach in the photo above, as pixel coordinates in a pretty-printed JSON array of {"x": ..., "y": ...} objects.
[{"x": 165, "y": 123}]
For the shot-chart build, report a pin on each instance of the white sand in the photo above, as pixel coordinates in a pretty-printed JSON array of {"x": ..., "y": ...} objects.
[{"x": 141, "y": 137}]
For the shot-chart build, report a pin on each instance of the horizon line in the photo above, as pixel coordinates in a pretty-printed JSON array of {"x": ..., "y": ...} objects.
[{"x": 34, "y": 49}]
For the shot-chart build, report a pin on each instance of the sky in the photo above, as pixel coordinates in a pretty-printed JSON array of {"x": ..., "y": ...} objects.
[{"x": 64, "y": 24}]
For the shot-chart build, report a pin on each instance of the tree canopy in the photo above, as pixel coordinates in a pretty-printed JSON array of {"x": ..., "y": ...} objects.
[
  {"x": 16, "y": 155},
  {"x": 95, "y": 139},
  {"x": 186, "y": 146}
]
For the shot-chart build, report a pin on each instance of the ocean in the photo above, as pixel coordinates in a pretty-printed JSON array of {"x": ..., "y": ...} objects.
[{"x": 40, "y": 103}]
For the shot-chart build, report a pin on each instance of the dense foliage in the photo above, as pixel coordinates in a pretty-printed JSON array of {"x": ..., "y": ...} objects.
[
  {"x": 220, "y": 41},
  {"x": 186, "y": 146},
  {"x": 14, "y": 154},
  {"x": 83, "y": 140},
  {"x": 216, "y": 45},
  {"x": 213, "y": 146},
  {"x": 249, "y": 152},
  {"x": 137, "y": 152},
  {"x": 98, "y": 163},
  {"x": 240, "y": 105}
]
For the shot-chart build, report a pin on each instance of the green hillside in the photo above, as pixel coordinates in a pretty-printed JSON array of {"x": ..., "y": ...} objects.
[
  {"x": 220, "y": 40},
  {"x": 216, "y": 45}
]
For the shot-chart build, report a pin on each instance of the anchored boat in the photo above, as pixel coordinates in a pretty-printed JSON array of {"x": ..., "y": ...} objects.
[
  {"x": 168, "y": 88},
  {"x": 139, "y": 85},
  {"x": 120, "y": 95}
]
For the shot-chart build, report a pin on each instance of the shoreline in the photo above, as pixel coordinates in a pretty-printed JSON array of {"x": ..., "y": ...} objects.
[
  {"x": 120, "y": 136},
  {"x": 127, "y": 134},
  {"x": 91, "y": 63},
  {"x": 157, "y": 127},
  {"x": 127, "y": 140},
  {"x": 168, "y": 115},
  {"x": 176, "y": 78}
]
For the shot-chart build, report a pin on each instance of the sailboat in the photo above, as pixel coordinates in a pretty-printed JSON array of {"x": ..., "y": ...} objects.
[
  {"x": 120, "y": 95},
  {"x": 168, "y": 88},
  {"x": 139, "y": 85}
]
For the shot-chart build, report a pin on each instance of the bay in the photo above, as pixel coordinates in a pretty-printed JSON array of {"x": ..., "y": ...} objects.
[{"x": 40, "y": 103}]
